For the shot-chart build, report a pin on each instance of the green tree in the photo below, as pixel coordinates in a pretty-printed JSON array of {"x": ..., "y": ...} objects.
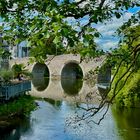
[
  {"x": 126, "y": 62},
  {"x": 46, "y": 24}
]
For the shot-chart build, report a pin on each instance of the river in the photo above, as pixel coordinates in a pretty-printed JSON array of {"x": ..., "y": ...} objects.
[{"x": 57, "y": 104}]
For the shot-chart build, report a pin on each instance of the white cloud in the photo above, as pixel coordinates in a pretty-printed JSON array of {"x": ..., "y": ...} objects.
[
  {"x": 109, "y": 45},
  {"x": 108, "y": 29},
  {"x": 113, "y": 24}
]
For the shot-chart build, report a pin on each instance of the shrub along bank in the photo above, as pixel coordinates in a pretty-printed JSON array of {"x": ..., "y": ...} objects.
[
  {"x": 129, "y": 95},
  {"x": 20, "y": 107}
]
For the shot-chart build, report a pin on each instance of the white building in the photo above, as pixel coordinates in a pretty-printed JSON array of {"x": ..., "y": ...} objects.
[
  {"x": 21, "y": 50},
  {"x": 18, "y": 51}
]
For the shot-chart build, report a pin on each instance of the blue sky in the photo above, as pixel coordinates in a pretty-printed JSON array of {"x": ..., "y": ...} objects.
[
  {"x": 108, "y": 41},
  {"x": 134, "y": 10}
]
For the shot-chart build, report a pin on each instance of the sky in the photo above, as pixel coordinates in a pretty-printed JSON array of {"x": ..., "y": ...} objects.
[{"x": 108, "y": 41}]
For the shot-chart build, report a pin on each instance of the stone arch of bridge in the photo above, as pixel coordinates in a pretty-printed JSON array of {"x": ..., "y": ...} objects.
[
  {"x": 40, "y": 70},
  {"x": 71, "y": 68},
  {"x": 41, "y": 76}
]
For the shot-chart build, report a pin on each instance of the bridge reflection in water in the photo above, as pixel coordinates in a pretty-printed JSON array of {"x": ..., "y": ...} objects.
[
  {"x": 67, "y": 89},
  {"x": 40, "y": 83},
  {"x": 69, "y": 84},
  {"x": 71, "y": 78}
]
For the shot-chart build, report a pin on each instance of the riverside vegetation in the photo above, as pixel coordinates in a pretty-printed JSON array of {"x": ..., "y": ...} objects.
[
  {"x": 125, "y": 87},
  {"x": 18, "y": 106}
]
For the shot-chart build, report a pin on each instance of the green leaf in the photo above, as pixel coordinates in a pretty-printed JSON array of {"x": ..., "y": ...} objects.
[
  {"x": 56, "y": 40},
  {"x": 97, "y": 34},
  {"x": 118, "y": 15}
]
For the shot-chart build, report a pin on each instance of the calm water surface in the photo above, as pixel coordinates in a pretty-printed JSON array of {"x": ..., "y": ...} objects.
[{"x": 58, "y": 104}]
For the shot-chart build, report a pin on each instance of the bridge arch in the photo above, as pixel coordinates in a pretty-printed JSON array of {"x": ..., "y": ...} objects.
[
  {"x": 41, "y": 75},
  {"x": 71, "y": 69},
  {"x": 103, "y": 80},
  {"x": 40, "y": 70}
]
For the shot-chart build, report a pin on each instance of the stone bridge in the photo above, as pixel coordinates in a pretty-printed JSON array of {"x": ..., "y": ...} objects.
[{"x": 55, "y": 65}]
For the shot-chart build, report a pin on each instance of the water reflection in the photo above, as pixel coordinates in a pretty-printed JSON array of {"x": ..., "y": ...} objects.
[
  {"x": 48, "y": 123},
  {"x": 103, "y": 92},
  {"x": 55, "y": 103},
  {"x": 41, "y": 83},
  {"x": 16, "y": 130},
  {"x": 60, "y": 102},
  {"x": 69, "y": 90},
  {"x": 71, "y": 86},
  {"x": 127, "y": 122}
]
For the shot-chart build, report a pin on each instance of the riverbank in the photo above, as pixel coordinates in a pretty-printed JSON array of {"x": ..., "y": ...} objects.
[
  {"x": 129, "y": 94},
  {"x": 16, "y": 108}
]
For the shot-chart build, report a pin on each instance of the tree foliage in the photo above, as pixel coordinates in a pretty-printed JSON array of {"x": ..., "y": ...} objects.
[
  {"x": 126, "y": 59},
  {"x": 19, "y": 69},
  {"x": 46, "y": 24}
]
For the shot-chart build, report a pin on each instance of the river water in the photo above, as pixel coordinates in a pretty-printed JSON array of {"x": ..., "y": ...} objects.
[{"x": 57, "y": 105}]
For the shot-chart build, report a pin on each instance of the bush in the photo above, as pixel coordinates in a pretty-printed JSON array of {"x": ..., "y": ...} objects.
[
  {"x": 19, "y": 69},
  {"x": 21, "y": 106},
  {"x": 6, "y": 76}
]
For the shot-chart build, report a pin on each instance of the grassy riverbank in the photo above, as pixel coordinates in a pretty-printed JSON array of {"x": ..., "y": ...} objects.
[
  {"x": 19, "y": 107},
  {"x": 129, "y": 95}
]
